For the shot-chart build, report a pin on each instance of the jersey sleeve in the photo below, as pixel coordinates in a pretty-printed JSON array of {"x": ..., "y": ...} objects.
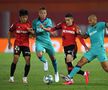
[
  {"x": 12, "y": 28},
  {"x": 49, "y": 24},
  {"x": 78, "y": 30},
  {"x": 102, "y": 25},
  {"x": 82, "y": 40},
  {"x": 34, "y": 25},
  {"x": 87, "y": 31}
]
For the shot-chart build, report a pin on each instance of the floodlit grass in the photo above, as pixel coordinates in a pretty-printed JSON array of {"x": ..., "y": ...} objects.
[{"x": 98, "y": 78}]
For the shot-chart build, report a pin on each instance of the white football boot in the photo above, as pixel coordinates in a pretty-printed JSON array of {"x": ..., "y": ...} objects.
[
  {"x": 25, "y": 80},
  {"x": 57, "y": 77},
  {"x": 11, "y": 79}
]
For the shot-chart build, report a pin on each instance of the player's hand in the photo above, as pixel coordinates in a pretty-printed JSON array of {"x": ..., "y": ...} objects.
[
  {"x": 9, "y": 45},
  {"x": 87, "y": 49},
  {"x": 78, "y": 30},
  {"x": 41, "y": 26},
  {"x": 54, "y": 33},
  {"x": 29, "y": 29}
]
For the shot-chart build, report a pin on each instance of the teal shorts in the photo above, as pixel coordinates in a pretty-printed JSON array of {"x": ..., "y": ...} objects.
[
  {"x": 41, "y": 47},
  {"x": 99, "y": 53}
]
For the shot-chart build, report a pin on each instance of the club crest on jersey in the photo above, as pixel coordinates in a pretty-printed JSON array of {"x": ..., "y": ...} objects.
[
  {"x": 19, "y": 27},
  {"x": 73, "y": 28},
  {"x": 64, "y": 27},
  {"x": 45, "y": 23}
]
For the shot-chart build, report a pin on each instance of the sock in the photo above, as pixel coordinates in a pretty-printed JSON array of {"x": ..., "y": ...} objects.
[
  {"x": 74, "y": 71},
  {"x": 27, "y": 68},
  {"x": 69, "y": 67},
  {"x": 42, "y": 59},
  {"x": 54, "y": 63},
  {"x": 80, "y": 72},
  {"x": 13, "y": 67}
]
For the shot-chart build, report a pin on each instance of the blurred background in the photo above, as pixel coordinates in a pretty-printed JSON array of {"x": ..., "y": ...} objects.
[{"x": 57, "y": 9}]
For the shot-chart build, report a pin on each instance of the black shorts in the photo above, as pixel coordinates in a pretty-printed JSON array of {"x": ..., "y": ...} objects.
[
  {"x": 71, "y": 49},
  {"x": 25, "y": 50}
]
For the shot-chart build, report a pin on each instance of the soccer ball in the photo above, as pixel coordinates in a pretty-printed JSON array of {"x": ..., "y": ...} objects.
[{"x": 48, "y": 79}]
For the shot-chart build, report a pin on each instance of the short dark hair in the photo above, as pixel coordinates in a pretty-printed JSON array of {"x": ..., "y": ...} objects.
[
  {"x": 69, "y": 15},
  {"x": 42, "y": 8},
  {"x": 23, "y": 12}
]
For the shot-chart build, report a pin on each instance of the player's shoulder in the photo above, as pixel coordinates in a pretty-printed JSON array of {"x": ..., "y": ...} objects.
[
  {"x": 76, "y": 25},
  {"x": 48, "y": 19},
  {"x": 35, "y": 20},
  {"x": 14, "y": 24},
  {"x": 62, "y": 24},
  {"x": 100, "y": 23}
]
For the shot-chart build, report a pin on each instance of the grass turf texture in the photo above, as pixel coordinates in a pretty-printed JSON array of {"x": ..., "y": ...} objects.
[{"x": 98, "y": 78}]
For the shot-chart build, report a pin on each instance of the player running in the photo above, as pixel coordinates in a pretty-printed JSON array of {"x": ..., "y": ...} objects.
[
  {"x": 21, "y": 30},
  {"x": 70, "y": 31},
  {"x": 96, "y": 34},
  {"x": 43, "y": 41}
]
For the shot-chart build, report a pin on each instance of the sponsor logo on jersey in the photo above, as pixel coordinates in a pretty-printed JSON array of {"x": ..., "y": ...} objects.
[
  {"x": 93, "y": 33},
  {"x": 21, "y": 31},
  {"x": 68, "y": 31}
]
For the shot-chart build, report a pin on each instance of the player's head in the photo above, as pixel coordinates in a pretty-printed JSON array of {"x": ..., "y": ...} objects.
[
  {"x": 92, "y": 19},
  {"x": 69, "y": 19},
  {"x": 23, "y": 15},
  {"x": 42, "y": 13}
]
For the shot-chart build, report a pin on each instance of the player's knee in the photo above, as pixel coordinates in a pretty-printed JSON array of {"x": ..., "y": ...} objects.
[
  {"x": 15, "y": 60},
  {"x": 69, "y": 58},
  {"x": 105, "y": 66},
  {"x": 52, "y": 58},
  {"x": 39, "y": 54},
  {"x": 27, "y": 59},
  {"x": 106, "y": 69},
  {"x": 82, "y": 61}
]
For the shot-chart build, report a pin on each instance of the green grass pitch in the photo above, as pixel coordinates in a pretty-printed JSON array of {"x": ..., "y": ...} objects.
[{"x": 98, "y": 79}]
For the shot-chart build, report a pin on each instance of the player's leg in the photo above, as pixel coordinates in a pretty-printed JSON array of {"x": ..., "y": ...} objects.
[
  {"x": 68, "y": 50},
  {"x": 70, "y": 53},
  {"x": 51, "y": 53},
  {"x": 88, "y": 56},
  {"x": 81, "y": 72},
  {"x": 17, "y": 52},
  {"x": 27, "y": 55},
  {"x": 68, "y": 61},
  {"x": 75, "y": 70},
  {"x": 105, "y": 65},
  {"x": 39, "y": 51},
  {"x": 103, "y": 59}
]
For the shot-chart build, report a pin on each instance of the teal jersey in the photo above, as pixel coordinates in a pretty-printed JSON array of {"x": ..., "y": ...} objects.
[
  {"x": 96, "y": 34},
  {"x": 42, "y": 35}
]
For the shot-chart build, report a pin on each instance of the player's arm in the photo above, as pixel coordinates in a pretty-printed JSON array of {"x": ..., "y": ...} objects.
[
  {"x": 49, "y": 29},
  {"x": 83, "y": 42},
  {"x": 44, "y": 28},
  {"x": 84, "y": 35},
  {"x": 11, "y": 29},
  {"x": 9, "y": 40},
  {"x": 30, "y": 30},
  {"x": 79, "y": 35}
]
